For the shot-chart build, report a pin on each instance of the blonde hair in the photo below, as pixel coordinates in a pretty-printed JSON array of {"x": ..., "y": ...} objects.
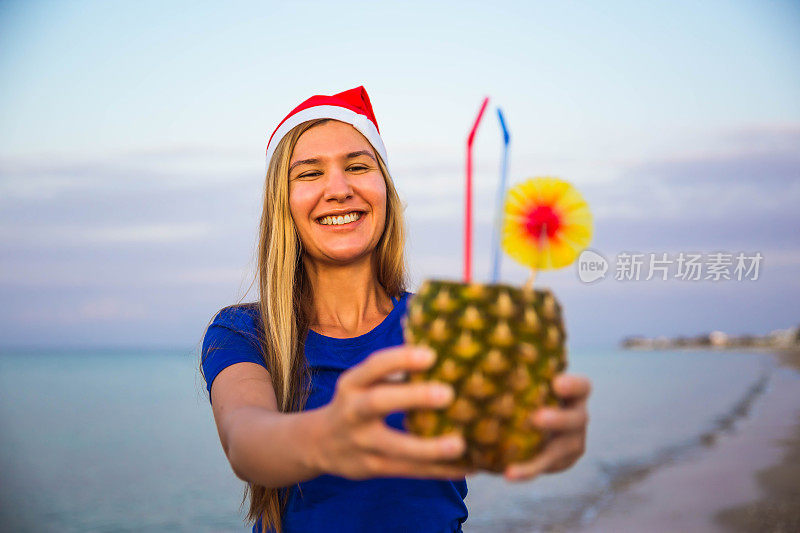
[{"x": 285, "y": 298}]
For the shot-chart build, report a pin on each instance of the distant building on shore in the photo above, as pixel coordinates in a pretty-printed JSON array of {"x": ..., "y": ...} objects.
[
  {"x": 718, "y": 339},
  {"x": 782, "y": 339}
]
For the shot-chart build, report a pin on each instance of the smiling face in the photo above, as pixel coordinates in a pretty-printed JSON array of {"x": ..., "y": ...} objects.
[{"x": 337, "y": 194}]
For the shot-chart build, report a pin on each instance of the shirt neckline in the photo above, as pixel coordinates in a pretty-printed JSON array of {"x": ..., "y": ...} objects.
[{"x": 318, "y": 338}]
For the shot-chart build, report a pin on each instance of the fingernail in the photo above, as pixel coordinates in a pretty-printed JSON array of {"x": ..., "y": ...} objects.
[
  {"x": 453, "y": 444},
  {"x": 424, "y": 355},
  {"x": 542, "y": 417},
  {"x": 442, "y": 393}
]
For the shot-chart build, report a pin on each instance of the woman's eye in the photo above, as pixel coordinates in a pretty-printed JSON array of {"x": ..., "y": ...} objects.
[
  {"x": 309, "y": 174},
  {"x": 357, "y": 168}
]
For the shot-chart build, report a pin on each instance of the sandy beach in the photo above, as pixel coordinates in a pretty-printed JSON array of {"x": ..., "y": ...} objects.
[{"x": 746, "y": 480}]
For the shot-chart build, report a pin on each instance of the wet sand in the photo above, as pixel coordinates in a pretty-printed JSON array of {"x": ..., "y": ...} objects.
[
  {"x": 747, "y": 480},
  {"x": 778, "y": 509}
]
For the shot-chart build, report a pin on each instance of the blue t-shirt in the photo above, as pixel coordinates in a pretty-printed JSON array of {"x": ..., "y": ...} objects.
[{"x": 333, "y": 503}]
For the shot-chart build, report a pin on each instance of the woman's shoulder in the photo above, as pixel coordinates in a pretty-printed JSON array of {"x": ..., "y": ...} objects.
[
  {"x": 406, "y": 296},
  {"x": 232, "y": 337},
  {"x": 402, "y": 302},
  {"x": 238, "y": 317}
]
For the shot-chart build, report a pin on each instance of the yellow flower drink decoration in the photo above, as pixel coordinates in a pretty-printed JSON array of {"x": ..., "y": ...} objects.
[{"x": 547, "y": 223}]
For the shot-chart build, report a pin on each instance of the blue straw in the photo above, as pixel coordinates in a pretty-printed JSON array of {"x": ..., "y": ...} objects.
[{"x": 501, "y": 191}]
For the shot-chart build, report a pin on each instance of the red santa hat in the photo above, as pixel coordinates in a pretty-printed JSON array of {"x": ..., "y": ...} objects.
[{"x": 351, "y": 106}]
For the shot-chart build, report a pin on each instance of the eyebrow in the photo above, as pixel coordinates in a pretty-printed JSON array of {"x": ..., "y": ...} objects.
[{"x": 314, "y": 161}]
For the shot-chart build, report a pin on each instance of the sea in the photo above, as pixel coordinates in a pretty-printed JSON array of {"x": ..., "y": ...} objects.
[{"x": 124, "y": 440}]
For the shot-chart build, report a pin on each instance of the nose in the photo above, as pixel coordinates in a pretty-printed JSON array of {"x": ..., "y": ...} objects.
[{"x": 338, "y": 186}]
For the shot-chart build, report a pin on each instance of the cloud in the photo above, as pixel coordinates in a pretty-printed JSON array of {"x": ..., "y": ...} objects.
[
  {"x": 123, "y": 239},
  {"x": 76, "y": 236},
  {"x": 744, "y": 183},
  {"x": 764, "y": 168},
  {"x": 92, "y": 310},
  {"x": 47, "y": 177},
  {"x": 82, "y": 273},
  {"x": 783, "y": 137}
]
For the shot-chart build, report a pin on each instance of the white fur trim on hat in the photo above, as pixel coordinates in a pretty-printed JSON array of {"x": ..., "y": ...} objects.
[{"x": 357, "y": 120}]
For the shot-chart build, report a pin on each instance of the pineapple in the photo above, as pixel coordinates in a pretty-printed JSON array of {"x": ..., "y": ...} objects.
[{"x": 499, "y": 347}]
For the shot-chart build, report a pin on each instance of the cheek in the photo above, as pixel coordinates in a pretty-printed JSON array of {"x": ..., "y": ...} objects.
[
  {"x": 376, "y": 192},
  {"x": 301, "y": 203}
]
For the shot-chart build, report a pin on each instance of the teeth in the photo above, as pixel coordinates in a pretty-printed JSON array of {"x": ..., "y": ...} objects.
[{"x": 335, "y": 221}]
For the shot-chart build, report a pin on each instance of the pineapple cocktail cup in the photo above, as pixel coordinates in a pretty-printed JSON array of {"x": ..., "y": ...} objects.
[{"x": 499, "y": 347}]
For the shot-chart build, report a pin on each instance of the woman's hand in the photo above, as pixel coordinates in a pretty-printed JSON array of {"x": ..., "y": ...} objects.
[
  {"x": 568, "y": 424},
  {"x": 356, "y": 443}
]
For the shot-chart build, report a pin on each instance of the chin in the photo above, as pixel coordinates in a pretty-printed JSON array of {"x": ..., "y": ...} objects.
[{"x": 347, "y": 255}]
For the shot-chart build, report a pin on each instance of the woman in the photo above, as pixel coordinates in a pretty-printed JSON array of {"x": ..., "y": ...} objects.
[{"x": 303, "y": 395}]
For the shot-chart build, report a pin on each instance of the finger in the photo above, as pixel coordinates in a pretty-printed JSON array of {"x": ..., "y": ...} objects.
[
  {"x": 387, "y": 361},
  {"x": 571, "y": 386},
  {"x": 563, "y": 464},
  {"x": 560, "y": 419},
  {"x": 380, "y": 400},
  {"x": 572, "y": 450},
  {"x": 391, "y": 467},
  {"x": 433, "y": 471},
  {"x": 394, "y": 444},
  {"x": 552, "y": 454},
  {"x": 560, "y": 453},
  {"x": 396, "y": 377}
]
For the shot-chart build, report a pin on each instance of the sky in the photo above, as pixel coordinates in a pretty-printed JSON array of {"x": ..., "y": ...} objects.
[{"x": 132, "y": 139}]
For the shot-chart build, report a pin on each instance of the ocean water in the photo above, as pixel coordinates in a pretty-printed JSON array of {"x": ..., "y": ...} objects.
[{"x": 124, "y": 440}]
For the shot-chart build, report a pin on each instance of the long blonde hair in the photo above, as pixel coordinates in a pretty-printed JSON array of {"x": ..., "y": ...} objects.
[{"x": 285, "y": 298}]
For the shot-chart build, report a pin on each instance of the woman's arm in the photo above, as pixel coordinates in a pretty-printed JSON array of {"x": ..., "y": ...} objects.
[
  {"x": 347, "y": 437},
  {"x": 263, "y": 445}
]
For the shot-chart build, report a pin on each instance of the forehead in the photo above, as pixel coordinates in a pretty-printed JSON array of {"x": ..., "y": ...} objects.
[{"x": 330, "y": 139}]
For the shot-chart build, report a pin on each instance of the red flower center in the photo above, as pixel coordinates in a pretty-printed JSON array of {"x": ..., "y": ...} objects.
[{"x": 542, "y": 219}]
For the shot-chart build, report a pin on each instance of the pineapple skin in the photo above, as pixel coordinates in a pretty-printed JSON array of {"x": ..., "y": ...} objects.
[{"x": 499, "y": 347}]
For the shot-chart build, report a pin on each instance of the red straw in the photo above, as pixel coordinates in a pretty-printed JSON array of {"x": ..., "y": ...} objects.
[{"x": 468, "y": 210}]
